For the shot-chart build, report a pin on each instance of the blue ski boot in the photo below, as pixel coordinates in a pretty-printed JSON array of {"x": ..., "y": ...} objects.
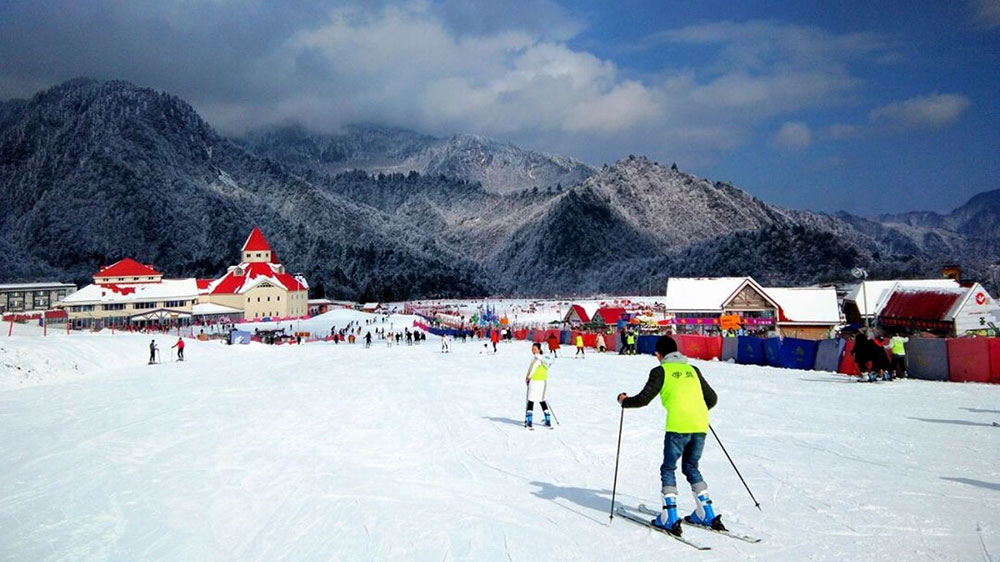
[
  {"x": 548, "y": 419},
  {"x": 668, "y": 519},
  {"x": 704, "y": 514},
  {"x": 527, "y": 419}
]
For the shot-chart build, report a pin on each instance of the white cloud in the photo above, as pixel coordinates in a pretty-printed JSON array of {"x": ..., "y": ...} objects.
[
  {"x": 793, "y": 135},
  {"x": 986, "y": 13},
  {"x": 933, "y": 111}
]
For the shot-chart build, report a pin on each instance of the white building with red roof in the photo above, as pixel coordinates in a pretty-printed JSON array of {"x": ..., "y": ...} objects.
[
  {"x": 129, "y": 292},
  {"x": 260, "y": 286}
]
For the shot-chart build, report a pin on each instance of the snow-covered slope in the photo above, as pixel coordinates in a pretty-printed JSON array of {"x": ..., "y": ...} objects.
[
  {"x": 500, "y": 167},
  {"x": 327, "y": 452}
]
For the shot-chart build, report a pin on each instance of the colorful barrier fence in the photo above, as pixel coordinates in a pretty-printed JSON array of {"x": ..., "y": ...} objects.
[
  {"x": 750, "y": 351},
  {"x": 828, "y": 355},
  {"x": 646, "y": 345},
  {"x": 772, "y": 351},
  {"x": 966, "y": 360},
  {"x": 730, "y": 348},
  {"x": 798, "y": 354},
  {"x": 699, "y": 347},
  {"x": 927, "y": 358},
  {"x": 847, "y": 364}
]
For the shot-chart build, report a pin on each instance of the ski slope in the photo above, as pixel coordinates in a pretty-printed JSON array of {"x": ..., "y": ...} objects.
[{"x": 335, "y": 452}]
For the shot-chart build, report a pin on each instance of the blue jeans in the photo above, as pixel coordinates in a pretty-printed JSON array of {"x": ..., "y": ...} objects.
[{"x": 685, "y": 446}]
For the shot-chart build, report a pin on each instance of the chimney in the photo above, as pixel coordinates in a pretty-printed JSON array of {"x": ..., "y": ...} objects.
[{"x": 952, "y": 272}]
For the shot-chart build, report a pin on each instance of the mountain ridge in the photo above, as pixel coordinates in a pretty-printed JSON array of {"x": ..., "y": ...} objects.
[{"x": 93, "y": 171}]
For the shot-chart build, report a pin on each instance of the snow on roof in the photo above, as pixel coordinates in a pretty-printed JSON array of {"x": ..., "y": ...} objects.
[
  {"x": 127, "y": 267},
  {"x": 210, "y": 308},
  {"x": 167, "y": 289},
  {"x": 253, "y": 275},
  {"x": 30, "y": 286},
  {"x": 907, "y": 304},
  {"x": 875, "y": 292},
  {"x": 256, "y": 242},
  {"x": 701, "y": 293},
  {"x": 806, "y": 305}
]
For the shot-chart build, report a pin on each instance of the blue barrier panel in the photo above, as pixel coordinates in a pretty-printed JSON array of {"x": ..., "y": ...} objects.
[
  {"x": 828, "y": 354},
  {"x": 772, "y": 351},
  {"x": 729, "y": 349},
  {"x": 927, "y": 358},
  {"x": 750, "y": 352},
  {"x": 646, "y": 345},
  {"x": 239, "y": 336},
  {"x": 798, "y": 354},
  {"x": 565, "y": 337}
]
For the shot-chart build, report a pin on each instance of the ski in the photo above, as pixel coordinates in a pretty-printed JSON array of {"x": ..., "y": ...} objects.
[
  {"x": 745, "y": 538},
  {"x": 646, "y": 523}
]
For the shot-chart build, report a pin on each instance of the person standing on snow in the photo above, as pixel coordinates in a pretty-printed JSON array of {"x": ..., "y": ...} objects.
[
  {"x": 897, "y": 344},
  {"x": 687, "y": 397},
  {"x": 180, "y": 348},
  {"x": 494, "y": 338},
  {"x": 579, "y": 346},
  {"x": 152, "y": 351},
  {"x": 537, "y": 381},
  {"x": 553, "y": 342},
  {"x": 368, "y": 339},
  {"x": 600, "y": 343},
  {"x": 630, "y": 338},
  {"x": 445, "y": 348}
]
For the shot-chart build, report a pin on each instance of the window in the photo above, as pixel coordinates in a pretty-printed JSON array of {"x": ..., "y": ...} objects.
[
  {"x": 258, "y": 254},
  {"x": 279, "y": 297},
  {"x": 258, "y": 299},
  {"x": 248, "y": 299},
  {"x": 144, "y": 305},
  {"x": 174, "y": 304},
  {"x": 114, "y": 306},
  {"x": 81, "y": 308},
  {"x": 268, "y": 299}
]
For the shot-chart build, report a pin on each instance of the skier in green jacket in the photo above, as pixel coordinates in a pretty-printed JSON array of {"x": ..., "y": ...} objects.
[{"x": 687, "y": 397}]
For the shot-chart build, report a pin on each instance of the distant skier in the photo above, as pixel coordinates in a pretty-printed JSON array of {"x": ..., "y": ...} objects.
[
  {"x": 579, "y": 346},
  {"x": 897, "y": 344},
  {"x": 152, "y": 351},
  {"x": 553, "y": 342},
  {"x": 180, "y": 348},
  {"x": 537, "y": 381},
  {"x": 494, "y": 339},
  {"x": 687, "y": 397},
  {"x": 368, "y": 340},
  {"x": 630, "y": 338},
  {"x": 445, "y": 348}
]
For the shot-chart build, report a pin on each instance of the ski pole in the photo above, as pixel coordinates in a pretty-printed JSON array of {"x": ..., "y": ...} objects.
[
  {"x": 756, "y": 503},
  {"x": 553, "y": 412},
  {"x": 614, "y": 487}
]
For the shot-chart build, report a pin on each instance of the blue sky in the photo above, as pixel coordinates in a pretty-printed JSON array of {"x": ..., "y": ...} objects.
[{"x": 819, "y": 105}]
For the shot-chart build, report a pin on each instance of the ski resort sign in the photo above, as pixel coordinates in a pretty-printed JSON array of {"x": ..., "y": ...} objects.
[{"x": 976, "y": 311}]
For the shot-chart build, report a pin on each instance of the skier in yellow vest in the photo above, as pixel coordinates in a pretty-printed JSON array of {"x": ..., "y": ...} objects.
[
  {"x": 537, "y": 381},
  {"x": 579, "y": 346},
  {"x": 687, "y": 397},
  {"x": 897, "y": 344}
]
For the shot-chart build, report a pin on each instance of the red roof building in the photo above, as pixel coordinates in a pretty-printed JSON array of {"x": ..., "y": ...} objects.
[
  {"x": 127, "y": 270},
  {"x": 610, "y": 314},
  {"x": 955, "y": 311},
  {"x": 576, "y": 315},
  {"x": 246, "y": 276}
]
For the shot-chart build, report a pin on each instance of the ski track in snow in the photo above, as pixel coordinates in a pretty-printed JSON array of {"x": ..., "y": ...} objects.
[{"x": 335, "y": 452}]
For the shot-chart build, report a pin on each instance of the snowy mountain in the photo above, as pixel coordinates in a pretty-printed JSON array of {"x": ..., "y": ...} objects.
[
  {"x": 94, "y": 171},
  {"x": 499, "y": 167}
]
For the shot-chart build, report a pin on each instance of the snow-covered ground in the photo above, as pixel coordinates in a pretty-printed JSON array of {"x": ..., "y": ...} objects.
[{"x": 335, "y": 452}]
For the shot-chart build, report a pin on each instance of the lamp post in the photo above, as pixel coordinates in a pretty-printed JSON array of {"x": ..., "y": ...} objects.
[{"x": 862, "y": 274}]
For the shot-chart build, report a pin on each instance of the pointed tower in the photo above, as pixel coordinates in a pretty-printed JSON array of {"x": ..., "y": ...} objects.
[{"x": 256, "y": 249}]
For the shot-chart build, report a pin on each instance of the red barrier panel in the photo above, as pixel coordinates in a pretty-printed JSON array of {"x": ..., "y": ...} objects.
[
  {"x": 847, "y": 364},
  {"x": 699, "y": 347},
  {"x": 969, "y": 359},
  {"x": 995, "y": 360},
  {"x": 590, "y": 340},
  {"x": 538, "y": 336},
  {"x": 556, "y": 333},
  {"x": 611, "y": 342}
]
